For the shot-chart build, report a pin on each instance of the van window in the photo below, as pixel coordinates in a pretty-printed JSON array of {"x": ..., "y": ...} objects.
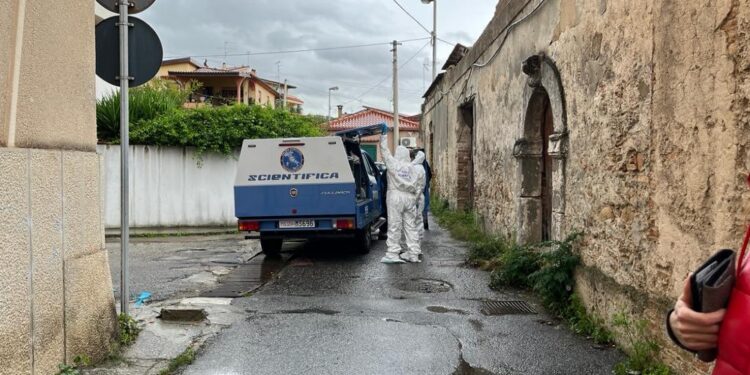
[{"x": 368, "y": 164}]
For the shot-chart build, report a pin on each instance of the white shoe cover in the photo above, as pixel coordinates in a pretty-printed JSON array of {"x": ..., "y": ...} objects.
[
  {"x": 410, "y": 257},
  {"x": 388, "y": 260}
]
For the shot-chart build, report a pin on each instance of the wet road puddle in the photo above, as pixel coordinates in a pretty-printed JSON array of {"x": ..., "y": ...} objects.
[
  {"x": 464, "y": 368},
  {"x": 247, "y": 277},
  {"x": 426, "y": 286},
  {"x": 301, "y": 262},
  {"x": 445, "y": 310},
  {"x": 308, "y": 311}
]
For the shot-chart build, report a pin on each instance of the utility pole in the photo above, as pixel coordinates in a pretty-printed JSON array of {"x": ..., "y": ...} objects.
[
  {"x": 434, "y": 39},
  {"x": 124, "y": 156},
  {"x": 395, "y": 94},
  {"x": 433, "y": 36},
  {"x": 286, "y": 91},
  {"x": 330, "y": 89}
]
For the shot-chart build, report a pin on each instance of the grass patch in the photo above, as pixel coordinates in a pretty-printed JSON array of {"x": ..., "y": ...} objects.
[
  {"x": 184, "y": 359},
  {"x": 643, "y": 352},
  {"x": 462, "y": 225},
  {"x": 79, "y": 361},
  {"x": 128, "y": 330},
  {"x": 584, "y": 324}
]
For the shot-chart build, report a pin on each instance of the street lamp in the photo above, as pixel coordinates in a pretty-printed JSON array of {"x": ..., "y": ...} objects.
[
  {"x": 330, "y": 89},
  {"x": 434, "y": 36}
]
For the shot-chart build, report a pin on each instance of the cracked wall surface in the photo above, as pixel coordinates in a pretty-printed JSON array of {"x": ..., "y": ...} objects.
[
  {"x": 56, "y": 297},
  {"x": 657, "y": 96}
]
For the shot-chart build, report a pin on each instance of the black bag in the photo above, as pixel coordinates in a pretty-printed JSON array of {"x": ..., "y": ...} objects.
[{"x": 711, "y": 285}]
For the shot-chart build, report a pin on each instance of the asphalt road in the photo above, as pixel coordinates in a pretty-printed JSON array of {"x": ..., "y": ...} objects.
[
  {"x": 331, "y": 312},
  {"x": 175, "y": 267}
]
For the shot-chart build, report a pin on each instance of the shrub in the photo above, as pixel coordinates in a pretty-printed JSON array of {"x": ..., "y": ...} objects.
[
  {"x": 554, "y": 279},
  {"x": 146, "y": 103},
  {"x": 486, "y": 254},
  {"x": 514, "y": 267},
  {"x": 221, "y": 129}
]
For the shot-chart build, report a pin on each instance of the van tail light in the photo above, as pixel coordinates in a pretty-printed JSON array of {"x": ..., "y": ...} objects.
[
  {"x": 344, "y": 224},
  {"x": 248, "y": 226}
]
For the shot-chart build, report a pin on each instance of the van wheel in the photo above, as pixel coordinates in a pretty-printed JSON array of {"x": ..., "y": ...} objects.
[
  {"x": 363, "y": 239},
  {"x": 271, "y": 246}
]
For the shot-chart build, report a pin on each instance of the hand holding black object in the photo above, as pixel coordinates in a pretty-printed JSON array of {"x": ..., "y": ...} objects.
[{"x": 695, "y": 331}]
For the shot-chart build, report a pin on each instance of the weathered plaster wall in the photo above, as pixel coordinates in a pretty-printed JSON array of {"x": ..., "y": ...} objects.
[
  {"x": 64, "y": 60},
  {"x": 658, "y": 128},
  {"x": 56, "y": 294}
]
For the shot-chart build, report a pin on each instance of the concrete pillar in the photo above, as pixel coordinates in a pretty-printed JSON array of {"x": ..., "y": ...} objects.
[
  {"x": 57, "y": 297},
  {"x": 239, "y": 91}
]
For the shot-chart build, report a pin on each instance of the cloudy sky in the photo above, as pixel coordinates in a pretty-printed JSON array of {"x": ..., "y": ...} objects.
[{"x": 210, "y": 29}]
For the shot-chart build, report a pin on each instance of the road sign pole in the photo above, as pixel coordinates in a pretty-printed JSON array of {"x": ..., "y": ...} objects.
[{"x": 124, "y": 157}]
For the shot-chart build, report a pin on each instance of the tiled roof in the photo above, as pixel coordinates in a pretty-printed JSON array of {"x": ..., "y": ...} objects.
[
  {"x": 294, "y": 99},
  {"x": 180, "y": 61},
  {"x": 458, "y": 53},
  {"x": 371, "y": 116},
  {"x": 228, "y": 71},
  {"x": 238, "y": 69},
  {"x": 280, "y": 84}
]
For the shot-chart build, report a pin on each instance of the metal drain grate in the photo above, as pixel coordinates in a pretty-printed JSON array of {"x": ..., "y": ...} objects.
[{"x": 492, "y": 308}]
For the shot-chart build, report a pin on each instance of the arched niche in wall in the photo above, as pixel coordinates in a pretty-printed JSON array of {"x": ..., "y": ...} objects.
[{"x": 541, "y": 153}]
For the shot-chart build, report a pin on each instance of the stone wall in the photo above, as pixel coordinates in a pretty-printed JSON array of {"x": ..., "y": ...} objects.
[
  {"x": 650, "y": 146},
  {"x": 56, "y": 297}
]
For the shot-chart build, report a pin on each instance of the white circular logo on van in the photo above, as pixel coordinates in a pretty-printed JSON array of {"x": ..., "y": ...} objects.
[
  {"x": 293, "y": 192},
  {"x": 292, "y": 159}
]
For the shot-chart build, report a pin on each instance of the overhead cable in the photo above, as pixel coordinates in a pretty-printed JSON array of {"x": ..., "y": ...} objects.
[
  {"x": 388, "y": 76},
  {"x": 412, "y": 17},
  {"x": 307, "y": 49}
]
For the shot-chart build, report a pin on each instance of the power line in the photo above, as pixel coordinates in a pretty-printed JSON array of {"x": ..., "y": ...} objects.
[
  {"x": 388, "y": 76},
  {"x": 412, "y": 17},
  {"x": 446, "y": 42},
  {"x": 306, "y": 50}
]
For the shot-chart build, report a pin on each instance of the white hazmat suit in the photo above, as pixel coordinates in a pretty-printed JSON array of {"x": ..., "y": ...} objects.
[
  {"x": 403, "y": 189},
  {"x": 422, "y": 176}
]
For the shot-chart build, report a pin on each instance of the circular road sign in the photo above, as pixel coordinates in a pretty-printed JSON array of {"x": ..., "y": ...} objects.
[
  {"x": 144, "y": 51},
  {"x": 136, "y": 6}
]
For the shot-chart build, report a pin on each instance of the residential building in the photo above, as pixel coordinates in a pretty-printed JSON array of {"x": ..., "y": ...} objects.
[
  {"x": 56, "y": 301},
  {"x": 226, "y": 85},
  {"x": 293, "y": 103},
  {"x": 408, "y": 129},
  {"x": 625, "y": 120}
]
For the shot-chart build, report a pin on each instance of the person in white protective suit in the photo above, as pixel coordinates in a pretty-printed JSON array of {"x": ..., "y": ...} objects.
[
  {"x": 401, "y": 198},
  {"x": 422, "y": 175}
]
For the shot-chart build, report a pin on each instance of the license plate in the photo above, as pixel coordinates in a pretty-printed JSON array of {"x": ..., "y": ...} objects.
[{"x": 286, "y": 224}]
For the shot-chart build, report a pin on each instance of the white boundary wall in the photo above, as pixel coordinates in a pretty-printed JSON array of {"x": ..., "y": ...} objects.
[{"x": 169, "y": 189}]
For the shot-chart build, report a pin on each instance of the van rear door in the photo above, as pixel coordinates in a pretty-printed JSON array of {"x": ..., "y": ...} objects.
[{"x": 303, "y": 177}]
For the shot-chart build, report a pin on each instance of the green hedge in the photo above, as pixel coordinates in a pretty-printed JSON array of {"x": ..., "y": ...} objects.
[
  {"x": 158, "y": 118},
  {"x": 221, "y": 129}
]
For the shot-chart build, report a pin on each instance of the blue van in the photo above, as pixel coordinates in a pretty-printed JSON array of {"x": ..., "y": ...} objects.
[{"x": 305, "y": 188}]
